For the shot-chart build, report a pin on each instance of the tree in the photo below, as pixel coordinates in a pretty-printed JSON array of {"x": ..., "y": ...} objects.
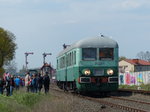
[
  {"x": 11, "y": 67},
  {"x": 122, "y": 58},
  {"x": 7, "y": 47},
  {"x": 147, "y": 55},
  {"x": 144, "y": 55},
  {"x": 23, "y": 70},
  {"x": 141, "y": 55}
]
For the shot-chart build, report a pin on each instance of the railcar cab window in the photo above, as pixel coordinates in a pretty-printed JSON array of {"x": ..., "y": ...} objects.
[
  {"x": 106, "y": 53},
  {"x": 89, "y": 54}
]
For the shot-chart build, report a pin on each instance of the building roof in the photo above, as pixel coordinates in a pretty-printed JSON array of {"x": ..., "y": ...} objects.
[
  {"x": 137, "y": 62},
  {"x": 94, "y": 42},
  {"x": 46, "y": 65}
]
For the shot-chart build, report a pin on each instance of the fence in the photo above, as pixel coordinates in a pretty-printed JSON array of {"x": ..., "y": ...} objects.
[{"x": 134, "y": 78}]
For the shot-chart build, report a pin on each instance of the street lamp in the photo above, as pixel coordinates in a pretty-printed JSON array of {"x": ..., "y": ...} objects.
[
  {"x": 26, "y": 60},
  {"x": 44, "y": 55}
]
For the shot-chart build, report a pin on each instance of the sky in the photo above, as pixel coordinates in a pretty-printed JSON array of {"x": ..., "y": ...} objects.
[{"x": 45, "y": 25}]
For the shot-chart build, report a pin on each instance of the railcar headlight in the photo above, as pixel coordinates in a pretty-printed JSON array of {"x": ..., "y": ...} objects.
[
  {"x": 110, "y": 72},
  {"x": 86, "y": 72}
]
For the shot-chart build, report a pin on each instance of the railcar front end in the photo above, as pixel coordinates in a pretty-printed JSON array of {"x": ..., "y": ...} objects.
[
  {"x": 98, "y": 69},
  {"x": 89, "y": 65}
]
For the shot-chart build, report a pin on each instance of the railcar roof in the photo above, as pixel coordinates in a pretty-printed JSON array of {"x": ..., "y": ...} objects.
[{"x": 95, "y": 42}]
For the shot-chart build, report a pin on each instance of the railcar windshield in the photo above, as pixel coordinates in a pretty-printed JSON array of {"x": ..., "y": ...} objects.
[
  {"x": 89, "y": 54},
  {"x": 106, "y": 53}
]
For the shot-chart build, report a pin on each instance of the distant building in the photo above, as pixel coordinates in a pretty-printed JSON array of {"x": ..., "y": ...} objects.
[
  {"x": 47, "y": 68},
  {"x": 133, "y": 65}
]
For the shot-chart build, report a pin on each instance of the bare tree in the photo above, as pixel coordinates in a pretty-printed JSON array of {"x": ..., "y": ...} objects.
[
  {"x": 144, "y": 55},
  {"x": 147, "y": 54},
  {"x": 11, "y": 67},
  {"x": 23, "y": 70}
]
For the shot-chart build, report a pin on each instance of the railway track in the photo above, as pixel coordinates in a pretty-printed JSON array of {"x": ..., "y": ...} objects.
[
  {"x": 113, "y": 104},
  {"x": 135, "y": 91},
  {"x": 123, "y": 107},
  {"x": 125, "y": 99},
  {"x": 136, "y": 105}
]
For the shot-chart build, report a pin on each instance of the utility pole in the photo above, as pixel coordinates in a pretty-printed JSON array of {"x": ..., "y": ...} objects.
[
  {"x": 26, "y": 59},
  {"x": 44, "y": 56}
]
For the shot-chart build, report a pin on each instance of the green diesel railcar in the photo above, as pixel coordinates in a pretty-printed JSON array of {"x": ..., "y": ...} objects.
[{"x": 89, "y": 65}]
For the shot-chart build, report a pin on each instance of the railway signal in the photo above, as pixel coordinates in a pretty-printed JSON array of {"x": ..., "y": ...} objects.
[
  {"x": 44, "y": 56},
  {"x": 26, "y": 59}
]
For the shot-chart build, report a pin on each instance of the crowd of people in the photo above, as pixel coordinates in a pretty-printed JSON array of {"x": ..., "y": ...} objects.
[
  {"x": 33, "y": 83},
  {"x": 8, "y": 82}
]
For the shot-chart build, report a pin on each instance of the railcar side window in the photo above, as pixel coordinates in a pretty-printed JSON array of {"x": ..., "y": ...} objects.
[
  {"x": 106, "y": 53},
  {"x": 62, "y": 62},
  {"x": 89, "y": 53},
  {"x": 57, "y": 63},
  {"x": 74, "y": 57}
]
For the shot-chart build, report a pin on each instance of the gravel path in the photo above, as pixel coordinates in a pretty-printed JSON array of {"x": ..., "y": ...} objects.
[{"x": 77, "y": 104}]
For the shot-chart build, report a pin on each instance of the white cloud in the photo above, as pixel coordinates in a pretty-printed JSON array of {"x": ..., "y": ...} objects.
[{"x": 130, "y": 4}]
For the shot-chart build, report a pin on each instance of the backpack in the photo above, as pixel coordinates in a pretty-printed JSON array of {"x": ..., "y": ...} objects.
[
  {"x": 46, "y": 80},
  {"x": 33, "y": 81}
]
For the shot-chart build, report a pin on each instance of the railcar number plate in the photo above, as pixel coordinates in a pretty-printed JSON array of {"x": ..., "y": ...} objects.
[
  {"x": 85, "y": 79},
  {"x": 98, "y": 72}
]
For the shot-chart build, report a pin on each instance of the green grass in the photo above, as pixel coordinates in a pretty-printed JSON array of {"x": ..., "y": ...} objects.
[
  {"x": 142, "y": 87},
  {"x": 27, "y": 99},
  {"x": 19, "y": 102},
  {"x": 8, "y": 104}
]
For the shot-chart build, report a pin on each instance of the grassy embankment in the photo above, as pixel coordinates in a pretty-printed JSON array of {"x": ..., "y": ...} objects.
[
  {"x": 141, "y": 87},
  {"x": 31, "y": 102}
]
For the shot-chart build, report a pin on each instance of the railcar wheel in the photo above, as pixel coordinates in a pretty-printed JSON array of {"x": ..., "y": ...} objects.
[
  {"x": 65, "y": 86},
  {"x": 74, "y": 86}
]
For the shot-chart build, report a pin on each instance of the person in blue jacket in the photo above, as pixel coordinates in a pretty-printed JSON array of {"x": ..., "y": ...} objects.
[{"x": 17, "y": 82}]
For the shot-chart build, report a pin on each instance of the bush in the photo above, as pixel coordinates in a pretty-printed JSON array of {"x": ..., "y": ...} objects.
[
  {"x": 145, "y": 87},
  {"x": 142, "y": 86}
]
